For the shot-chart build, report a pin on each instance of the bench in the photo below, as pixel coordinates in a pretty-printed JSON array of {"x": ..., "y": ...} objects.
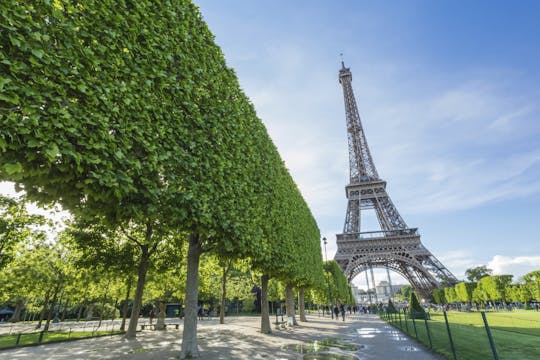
[{"x": 153, "y": 326}]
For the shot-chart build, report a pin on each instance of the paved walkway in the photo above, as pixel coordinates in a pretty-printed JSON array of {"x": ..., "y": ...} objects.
[{"x": 239, "y": 338}]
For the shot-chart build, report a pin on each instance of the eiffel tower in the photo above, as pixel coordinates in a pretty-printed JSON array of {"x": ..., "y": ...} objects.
[{"x": 395, "y": 246}]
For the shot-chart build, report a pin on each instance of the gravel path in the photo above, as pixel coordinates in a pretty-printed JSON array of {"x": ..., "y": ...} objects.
[{"x": 240, "y": 338}]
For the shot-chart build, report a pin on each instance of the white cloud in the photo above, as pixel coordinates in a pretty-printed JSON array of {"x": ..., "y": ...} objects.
[
  {"x": 457, "y": 262},
  {"x": 514, "y": 265},
  {"x": 452, "y": 152}
]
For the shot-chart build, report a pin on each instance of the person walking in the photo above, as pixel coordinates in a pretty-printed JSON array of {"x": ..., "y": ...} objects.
[{"x": 342, "y": 309}]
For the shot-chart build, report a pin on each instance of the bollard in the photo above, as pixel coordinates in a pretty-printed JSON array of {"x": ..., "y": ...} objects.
[
  {"x": 491, "y": 342},
  {"x": 450, "y": 336},
  {"x": 428, "y": 334}
]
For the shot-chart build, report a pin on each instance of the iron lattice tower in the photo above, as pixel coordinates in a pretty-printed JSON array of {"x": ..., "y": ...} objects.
[{"x": 395, "y": 246}]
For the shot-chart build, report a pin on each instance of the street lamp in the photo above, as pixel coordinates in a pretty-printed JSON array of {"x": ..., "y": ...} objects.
[
  {"x": 324, "y": 241},
  {"x": 327, "y": 283}
]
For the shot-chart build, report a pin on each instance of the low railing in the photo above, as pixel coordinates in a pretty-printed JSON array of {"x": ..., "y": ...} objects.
[{"x": 372, "y": 235}]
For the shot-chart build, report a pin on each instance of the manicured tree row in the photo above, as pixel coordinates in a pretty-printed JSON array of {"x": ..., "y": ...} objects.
[
  {"x": 492, "y": 288},
  {"x": 102, "y": 111},
  {"x": 127, "y": 112},
  {"x": 337, "y": 284}
]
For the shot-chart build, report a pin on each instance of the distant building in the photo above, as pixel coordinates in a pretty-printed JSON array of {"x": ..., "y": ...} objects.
[{"x": 384, "y": 292}]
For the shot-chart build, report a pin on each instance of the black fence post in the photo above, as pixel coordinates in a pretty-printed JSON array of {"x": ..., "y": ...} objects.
[
  {"x": 18, "y": 339},
  {"x": 406, "y": 321},
  {"x": 414, "y": 325},
  {"x": 399, "y": 316},
  {"x": 428, "y": 334},
  {"x": 491, "y": 342},
  {"x": 450, "y": 336},
  {"x": 41, "y": 337}
]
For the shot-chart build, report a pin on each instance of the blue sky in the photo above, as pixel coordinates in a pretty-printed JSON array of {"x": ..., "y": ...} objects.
[{"x": 449, "y": 99}]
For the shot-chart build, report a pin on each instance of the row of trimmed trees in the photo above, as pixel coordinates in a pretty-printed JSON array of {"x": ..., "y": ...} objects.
[
  {"x": 494, "y": 288},
  {"x": 127, "y": 115},
  {"x": 70, "y": 280}
]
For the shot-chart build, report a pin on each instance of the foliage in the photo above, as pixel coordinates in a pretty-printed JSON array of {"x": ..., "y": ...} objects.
[
  {"x": 532, "y": 283},
  {"x": 439, "y": 297},
  {"x": 391, "y": 308},
  {"x": 464, "y": 291},
  {"x": 450, "y": 294},
  {"x": 336, "y": 285},
  {"x": 416, "y": 311},
  {"x": 404, "y": 293},
  {"x": 17, "y": 226},
  {"x": 476, "y": 273}
]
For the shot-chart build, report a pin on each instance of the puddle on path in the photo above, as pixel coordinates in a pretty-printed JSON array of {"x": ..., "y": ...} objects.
[
  {"x": 397, "y": 336},
  {"x": 321, "y": 345},
  {"x": 368, "y": 332},
  {"x": 321, "y": 349},
  {"x": 329, "y": 356},
  {"x": 408, "y": 348}
]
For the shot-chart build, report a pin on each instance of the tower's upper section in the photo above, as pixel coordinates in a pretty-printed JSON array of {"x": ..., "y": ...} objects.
[{"x": 361, "y": 166}]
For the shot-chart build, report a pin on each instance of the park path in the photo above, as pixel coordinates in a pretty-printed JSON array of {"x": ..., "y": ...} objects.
[{"x": 239, "y": 338}]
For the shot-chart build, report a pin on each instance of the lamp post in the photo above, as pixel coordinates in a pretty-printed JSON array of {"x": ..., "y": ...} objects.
[{"x": 327, "y": 283}]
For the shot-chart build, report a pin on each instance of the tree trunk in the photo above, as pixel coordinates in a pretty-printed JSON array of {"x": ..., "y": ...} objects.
[
  {"x": 160, "y": 323},
  {"x": 223, "y": 292},
  {"x": 81, "y": 308},
  {"x": 64, "y": 309},
  {"x": 103, "y": 303},
  {"x": 114, "y": 309},
  {"x": 16, "y": 317},
  {"x": 137, "y": 301},
  {"x": 51, "y": 307},
  {"x": 289, "y": 301},
  {"x": 265, "y": 314},
  {"x": 301, "y": 305},
  {"x": 125, "y": 307},
  {"x": 189, "y": 337},
  {"x": 44, "y": 309}
]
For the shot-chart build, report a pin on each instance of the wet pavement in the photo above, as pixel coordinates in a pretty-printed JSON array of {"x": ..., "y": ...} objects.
[{"x": 358, "y": 338}]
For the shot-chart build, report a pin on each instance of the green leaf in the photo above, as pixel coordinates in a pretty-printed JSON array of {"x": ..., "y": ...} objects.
[
  {"x": 4, "y": 81},
  {"x": 14, "y": 168},
  {"x": 37, "y": 53},
  {"x": 52, "y": 151}
]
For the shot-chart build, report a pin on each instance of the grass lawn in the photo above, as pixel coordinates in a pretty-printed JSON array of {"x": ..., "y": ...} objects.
[
  {"x": 51, "y": 336},
  {"x": 516, "y": 334}
]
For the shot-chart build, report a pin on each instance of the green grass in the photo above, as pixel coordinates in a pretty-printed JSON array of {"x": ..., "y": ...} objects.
[
  {"x": 516, "y": 334},
  {"x": 51, "y": 336}
]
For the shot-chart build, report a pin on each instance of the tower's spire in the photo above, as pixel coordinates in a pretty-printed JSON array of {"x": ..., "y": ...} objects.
[{"x": 361, "y": 164}]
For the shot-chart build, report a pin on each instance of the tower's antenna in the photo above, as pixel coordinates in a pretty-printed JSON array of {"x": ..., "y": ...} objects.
[{"x": 342, "y": 63}]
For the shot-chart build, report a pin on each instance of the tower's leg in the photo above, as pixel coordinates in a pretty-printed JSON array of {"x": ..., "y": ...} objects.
[
  {"x": 373, "y": 282},
  {"x": 367, "y": 282},
  {"x": 391, "y": 292}
]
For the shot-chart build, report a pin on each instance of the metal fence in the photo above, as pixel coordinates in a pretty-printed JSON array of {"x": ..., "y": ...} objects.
[
  {"x": 472, "y": 335},
  {"x": 23, "y": 334}
]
